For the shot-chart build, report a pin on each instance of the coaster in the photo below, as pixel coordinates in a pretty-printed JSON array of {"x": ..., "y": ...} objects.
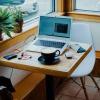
[{"x": 42, "y": 61}]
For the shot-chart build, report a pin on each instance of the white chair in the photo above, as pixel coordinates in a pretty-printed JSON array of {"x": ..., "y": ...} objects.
[{"x": 80, "y": 32}]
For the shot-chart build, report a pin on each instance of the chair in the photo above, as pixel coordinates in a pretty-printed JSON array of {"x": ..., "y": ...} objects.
[{"x": 80, "y": 32}]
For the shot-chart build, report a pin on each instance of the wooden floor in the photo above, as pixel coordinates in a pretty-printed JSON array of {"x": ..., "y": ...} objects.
[
  {"x": 69, "y": 90},
  {"x": 96, "y": 70}
]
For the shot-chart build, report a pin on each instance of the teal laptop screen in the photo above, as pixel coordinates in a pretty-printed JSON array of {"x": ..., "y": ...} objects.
[{"x": 55, "y": 26}]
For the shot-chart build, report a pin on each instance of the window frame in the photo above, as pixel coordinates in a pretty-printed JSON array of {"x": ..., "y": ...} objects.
[
  {"x": 34, "y": 19},
  {"x": 37, "y": 15},
  {"x": 69, "y": 8},
  {"x": 58, "y": 8}
]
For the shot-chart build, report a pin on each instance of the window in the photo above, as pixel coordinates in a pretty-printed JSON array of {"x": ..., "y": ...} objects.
[
  {"x": 88, "y": 5},
  {"x": 31, "y": 8},
  {"x": 88, "y": 10}
]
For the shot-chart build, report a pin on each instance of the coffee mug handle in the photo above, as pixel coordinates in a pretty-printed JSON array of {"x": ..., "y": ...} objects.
[{"x": 57, "y": 53}]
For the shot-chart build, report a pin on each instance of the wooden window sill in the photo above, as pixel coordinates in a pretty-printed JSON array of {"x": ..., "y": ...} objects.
[
  {"x": 26, "y": 28},
  {"x": 92, "y": 13},
  {"x": 84, "y": 15}
]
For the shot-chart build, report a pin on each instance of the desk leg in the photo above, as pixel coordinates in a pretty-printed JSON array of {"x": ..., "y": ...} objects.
[{"x": 50, "y": 92}]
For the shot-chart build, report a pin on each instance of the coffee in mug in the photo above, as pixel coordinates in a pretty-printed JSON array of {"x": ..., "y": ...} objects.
[{"x": 50, "y": 54}]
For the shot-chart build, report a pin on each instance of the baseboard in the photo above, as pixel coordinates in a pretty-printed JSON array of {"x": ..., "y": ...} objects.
[
  {"x": 98, "y": 54},
  {"x": 96, "y": 70}
]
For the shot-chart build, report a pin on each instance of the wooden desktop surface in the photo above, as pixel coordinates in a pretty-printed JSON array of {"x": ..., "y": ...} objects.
[{"x": 63, "y": 69}]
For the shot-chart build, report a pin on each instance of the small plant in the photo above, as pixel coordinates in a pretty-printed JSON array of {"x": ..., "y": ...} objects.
[
  {"x": 18, "y": 18},
  {"x": 17, "y": 14},
  {"x": 6, "y": 22}
]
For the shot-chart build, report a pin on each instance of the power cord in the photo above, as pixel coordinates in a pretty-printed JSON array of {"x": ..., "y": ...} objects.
[{"x": 29, "y": 38}]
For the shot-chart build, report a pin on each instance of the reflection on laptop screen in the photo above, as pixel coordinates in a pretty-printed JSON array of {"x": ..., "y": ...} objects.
[
  {"x": 55, "y": 26},
  {"x": 61, "y": 28}
]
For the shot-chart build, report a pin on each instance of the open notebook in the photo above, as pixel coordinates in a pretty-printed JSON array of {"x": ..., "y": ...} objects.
[{"x": 54, "y": 32}]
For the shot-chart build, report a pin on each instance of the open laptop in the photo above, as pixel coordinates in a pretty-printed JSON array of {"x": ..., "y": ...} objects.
[{"x": 54, "y": 32}]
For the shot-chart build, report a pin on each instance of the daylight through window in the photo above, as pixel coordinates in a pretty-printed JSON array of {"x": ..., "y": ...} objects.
[
  {"x": 31, "y": 8},
  {"x": 88, "y": 5}
]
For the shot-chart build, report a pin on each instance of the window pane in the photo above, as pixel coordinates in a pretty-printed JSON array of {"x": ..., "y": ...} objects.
[
  {"x": 92, "y": 5},
  {"x": 30, "y": 8},
  {"x": 7, "y": 2}
]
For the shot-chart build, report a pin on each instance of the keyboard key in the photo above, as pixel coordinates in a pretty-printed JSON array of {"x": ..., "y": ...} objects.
[{"x": 49, "y": 43}]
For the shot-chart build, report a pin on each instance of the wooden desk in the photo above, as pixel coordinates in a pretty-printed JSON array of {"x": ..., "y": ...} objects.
[{"x": 62, "y": 69}]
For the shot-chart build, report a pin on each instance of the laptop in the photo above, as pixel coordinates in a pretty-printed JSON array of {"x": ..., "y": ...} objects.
[{"x": 53, "y": 32}]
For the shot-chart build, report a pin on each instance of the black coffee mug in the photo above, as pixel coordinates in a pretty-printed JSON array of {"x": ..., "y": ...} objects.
[{"x": 49, "y": 57}]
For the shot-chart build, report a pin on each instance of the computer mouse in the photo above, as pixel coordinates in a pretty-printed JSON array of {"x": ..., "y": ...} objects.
[
  {"x": 78, "y": 48},
  {"x": 69, "y": 55}
]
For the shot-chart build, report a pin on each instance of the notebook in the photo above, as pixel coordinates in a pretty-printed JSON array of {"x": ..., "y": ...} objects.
[{"x": 53, "y": 32}]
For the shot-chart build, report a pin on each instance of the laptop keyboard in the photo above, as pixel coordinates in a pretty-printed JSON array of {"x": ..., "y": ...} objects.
[{"x": 49, "y": 43}]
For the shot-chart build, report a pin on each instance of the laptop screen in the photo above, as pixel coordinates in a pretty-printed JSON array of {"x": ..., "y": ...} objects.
[{"x": 55, "y": 26}]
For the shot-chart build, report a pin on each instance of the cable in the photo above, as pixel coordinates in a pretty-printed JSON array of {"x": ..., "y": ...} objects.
[{"x": 29, "y": 38}]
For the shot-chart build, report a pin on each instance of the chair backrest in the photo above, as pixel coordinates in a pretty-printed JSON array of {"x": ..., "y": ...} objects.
[{"x": 80, "y": 32}]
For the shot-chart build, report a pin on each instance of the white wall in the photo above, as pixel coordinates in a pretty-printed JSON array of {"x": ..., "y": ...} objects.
[
  {"x": 93, "y": 5},
  {"x": 95, "y": 29}
]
